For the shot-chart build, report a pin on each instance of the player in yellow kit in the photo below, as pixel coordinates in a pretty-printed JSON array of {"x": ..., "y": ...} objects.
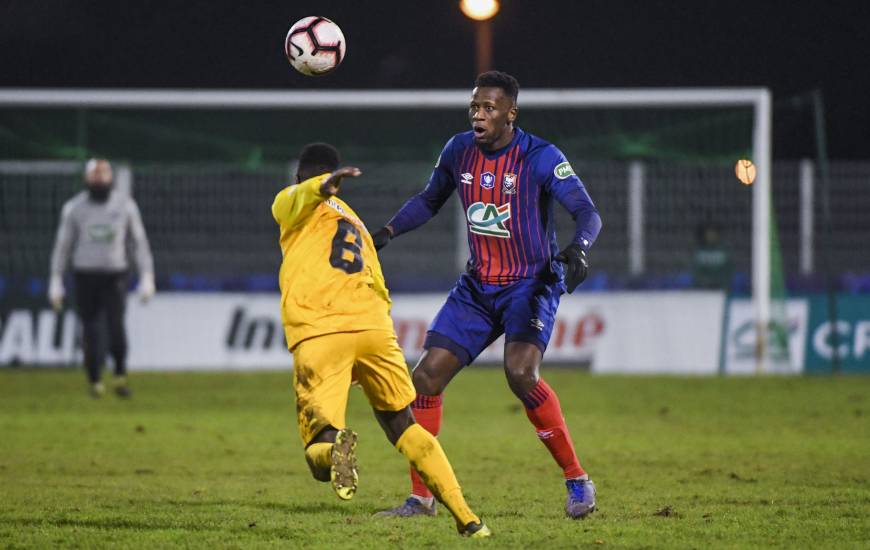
[{"x": 336, "y": 313}]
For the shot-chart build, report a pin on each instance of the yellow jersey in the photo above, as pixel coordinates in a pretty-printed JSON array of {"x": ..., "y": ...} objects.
[{"x": 330, "y": 278}]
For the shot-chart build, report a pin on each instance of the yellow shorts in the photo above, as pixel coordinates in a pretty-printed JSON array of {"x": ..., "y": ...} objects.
[{"x": 325, "y": 366}]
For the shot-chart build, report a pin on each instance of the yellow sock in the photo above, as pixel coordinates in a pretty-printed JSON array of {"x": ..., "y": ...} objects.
[
  {"x": 427, "y": 457},
  {"x": 319, "y": 458}
]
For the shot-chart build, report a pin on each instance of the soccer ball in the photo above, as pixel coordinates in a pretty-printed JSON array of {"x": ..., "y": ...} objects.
[{"x": 315, "y": 46}]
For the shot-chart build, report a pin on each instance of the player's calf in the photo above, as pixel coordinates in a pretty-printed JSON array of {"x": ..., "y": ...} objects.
[{"x": 427, "y": 457}]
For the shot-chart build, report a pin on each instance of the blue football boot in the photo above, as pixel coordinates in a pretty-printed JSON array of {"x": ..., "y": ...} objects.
[
  {"x": 581, "y": 498},
  {"x": 411, "y": 507}
]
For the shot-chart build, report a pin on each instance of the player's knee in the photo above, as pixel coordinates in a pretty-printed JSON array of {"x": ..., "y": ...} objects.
[
  {"x": 521, "y": 366},
  {"x": 394, "y": 423},
  {"x": 425, "y": 383},
  {"x": 522, "y": 378},
  {"x": 435, "y": 370}
]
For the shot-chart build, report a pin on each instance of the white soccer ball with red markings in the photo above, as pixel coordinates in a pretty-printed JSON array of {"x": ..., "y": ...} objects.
[{"x": 315, "y": 46}]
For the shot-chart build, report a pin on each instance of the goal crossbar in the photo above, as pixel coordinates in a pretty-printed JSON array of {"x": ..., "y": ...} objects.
[{"x": 376, "y": 99}]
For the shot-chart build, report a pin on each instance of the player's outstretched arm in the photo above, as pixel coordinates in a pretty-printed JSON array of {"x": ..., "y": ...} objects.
[
  {"x": 420, "y": 208},
  {"x": 296, "y": 203},
  {"x": 330, "y": 186}
]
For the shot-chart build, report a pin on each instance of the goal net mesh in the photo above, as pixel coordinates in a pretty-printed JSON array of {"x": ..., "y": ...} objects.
[{"x": 205, "y": 179}]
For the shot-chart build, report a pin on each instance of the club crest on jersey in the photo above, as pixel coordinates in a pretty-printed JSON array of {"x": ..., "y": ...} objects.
[
  {"x": 509, "y": 184},
  {"x": 467, "y": 178},
  {"x": 487, "y": 180},
  {"x": 489, "y": 219}
]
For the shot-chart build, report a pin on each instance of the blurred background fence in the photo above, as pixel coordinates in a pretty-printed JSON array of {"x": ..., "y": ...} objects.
[
  {"x": 210, "y": 225},
  {"x": 205, "y": 179}
]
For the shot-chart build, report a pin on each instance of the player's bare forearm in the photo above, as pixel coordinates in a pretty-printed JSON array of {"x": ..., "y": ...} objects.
[{"x": 330, "y": 186}]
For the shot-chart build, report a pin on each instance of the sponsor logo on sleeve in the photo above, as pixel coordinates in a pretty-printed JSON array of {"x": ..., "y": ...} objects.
[
  {"x": 563, "y": 170},
  {"x": 489, "y": 219}
]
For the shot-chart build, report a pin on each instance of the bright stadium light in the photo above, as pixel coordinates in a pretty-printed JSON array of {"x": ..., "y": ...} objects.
[{"x": 479, "y": 10}]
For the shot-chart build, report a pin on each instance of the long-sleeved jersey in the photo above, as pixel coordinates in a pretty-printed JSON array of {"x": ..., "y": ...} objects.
[
  {"x": 95, "y": 233},
  {"x": 331, "y": 280},
  {"x": 507, "y": 196}
]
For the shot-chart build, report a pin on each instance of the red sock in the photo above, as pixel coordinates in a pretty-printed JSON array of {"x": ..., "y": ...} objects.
[
  {"x": 545, "y": 412},
  {"x": 427, "y": 410}
]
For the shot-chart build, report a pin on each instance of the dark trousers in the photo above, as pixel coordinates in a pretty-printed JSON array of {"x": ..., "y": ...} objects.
[{"x": 100, "y": 294}]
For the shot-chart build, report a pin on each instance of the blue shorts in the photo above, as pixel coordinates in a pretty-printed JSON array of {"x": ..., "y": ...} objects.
[{"x": 476, "y": 314}]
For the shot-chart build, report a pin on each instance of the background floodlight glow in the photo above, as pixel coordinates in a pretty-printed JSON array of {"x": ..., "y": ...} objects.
[{"x": 479, "y": 10}]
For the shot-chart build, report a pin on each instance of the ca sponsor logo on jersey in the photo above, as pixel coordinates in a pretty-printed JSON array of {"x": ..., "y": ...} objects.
[
  {"x": 489, "y": 219},
  {"x": 487, "y": 180},
  {"x": 509, "y": 184},
  {"x": 563, "y": 170},
  {"x": 467, "y": 178}
]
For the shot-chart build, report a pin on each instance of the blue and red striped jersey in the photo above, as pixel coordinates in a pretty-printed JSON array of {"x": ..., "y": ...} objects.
[{"x": 507, "y": 196}]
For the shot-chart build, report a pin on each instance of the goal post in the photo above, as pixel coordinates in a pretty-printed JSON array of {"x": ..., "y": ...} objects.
[{"x": 320, "y": 101}]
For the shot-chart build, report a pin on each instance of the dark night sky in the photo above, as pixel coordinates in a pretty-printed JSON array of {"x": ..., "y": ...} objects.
[{"x": 790, "y": 46}]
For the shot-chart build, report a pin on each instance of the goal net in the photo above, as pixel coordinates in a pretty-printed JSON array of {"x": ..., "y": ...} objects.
[{"x": 205, "y": 165}]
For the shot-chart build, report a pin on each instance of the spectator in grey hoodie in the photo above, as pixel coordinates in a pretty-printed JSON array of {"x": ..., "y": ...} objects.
[{"x": 93, "y": 232}]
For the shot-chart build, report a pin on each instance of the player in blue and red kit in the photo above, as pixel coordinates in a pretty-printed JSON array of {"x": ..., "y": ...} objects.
[{"x": 507, "y": 181}]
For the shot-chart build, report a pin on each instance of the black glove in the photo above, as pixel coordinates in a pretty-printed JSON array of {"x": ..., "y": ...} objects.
[
  {"x": 382, "y": 237},
  {"x": 576, "y": 265}
]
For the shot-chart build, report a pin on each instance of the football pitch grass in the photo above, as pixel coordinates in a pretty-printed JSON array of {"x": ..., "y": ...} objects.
[{"x": 214, "y": 460}]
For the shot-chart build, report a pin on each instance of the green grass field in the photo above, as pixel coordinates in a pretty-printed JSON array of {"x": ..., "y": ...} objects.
[{"x": 214, "y": 460}]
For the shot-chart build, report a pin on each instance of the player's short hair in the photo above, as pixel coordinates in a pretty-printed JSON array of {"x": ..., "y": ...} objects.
[
  {"x": 498, "y": 79},
  {"x": 318, "y": 157}
]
